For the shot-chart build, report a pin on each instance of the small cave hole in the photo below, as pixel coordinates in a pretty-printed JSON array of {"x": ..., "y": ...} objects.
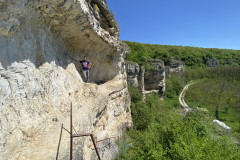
[{"x": 54, "y": 119}]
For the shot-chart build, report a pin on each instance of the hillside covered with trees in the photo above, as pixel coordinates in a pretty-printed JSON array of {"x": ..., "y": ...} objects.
[
  {"x": 161, "y": 130},
  {"x": 192, "y": 56}
]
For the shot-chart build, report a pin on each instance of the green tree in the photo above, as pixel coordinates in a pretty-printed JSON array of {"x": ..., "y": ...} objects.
[{"x": 213, "y": 93}]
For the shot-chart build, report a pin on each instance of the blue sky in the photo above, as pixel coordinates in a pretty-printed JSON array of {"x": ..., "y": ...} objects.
[{"x": 199, "y": 23}]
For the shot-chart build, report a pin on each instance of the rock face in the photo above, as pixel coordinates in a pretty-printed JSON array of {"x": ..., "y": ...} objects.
[
  {"x": 62, "y": 27},
  {"x": 154, "y": 79},
  {"x": 175, "y": 66},
  {"x": 135, "y": 75},
  {"x": 212, "y": 62},
  {"x": 39, "y": 78},
  {"x": 147, "y": 81}
]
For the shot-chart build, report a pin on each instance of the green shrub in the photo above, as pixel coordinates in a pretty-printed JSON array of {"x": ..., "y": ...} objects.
[
  {"x": 159, "y": 132},
  {"x": 174, "y": 85},
  {"x": 135, "y": 94},
  {"x": 180, "y": 138}
]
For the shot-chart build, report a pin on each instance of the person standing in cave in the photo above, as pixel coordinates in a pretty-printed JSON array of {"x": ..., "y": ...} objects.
[{"x": 86, "y": 65}]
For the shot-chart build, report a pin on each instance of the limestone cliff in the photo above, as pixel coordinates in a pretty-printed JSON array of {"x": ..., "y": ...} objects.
[
  {"x": 135, "y": 75},
  {"x": 175, "y": 66},
  {"x": 155, "y": 78},
  {"x": 147, "y": 80},
  {"x": 39, "y": 78}
]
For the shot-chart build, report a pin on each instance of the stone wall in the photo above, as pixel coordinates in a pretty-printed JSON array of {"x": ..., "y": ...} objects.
[{"x": 39, "y": 78}]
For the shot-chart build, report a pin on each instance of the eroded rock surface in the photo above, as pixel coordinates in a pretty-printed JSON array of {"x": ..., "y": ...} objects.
[
  {"x": 175, "y": 66},
  {"x": 147, "y": 80},
  {"x": 154, "y": 79},
  {"x": 212, "y": 63},
  {"x": 62, "y": 27},
  {"x": 39, "y": 78},
  {"x": 135, "y": 75}
]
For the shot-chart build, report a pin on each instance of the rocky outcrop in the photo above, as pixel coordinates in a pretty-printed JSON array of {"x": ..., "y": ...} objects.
[
  {"x": 39, "y": 79},
  {"x": 147, "y": 80},
  {"x": 175, "y": 66},
  {"x": 135, "y": 75},
  {"x": 212, "y": 62},
  {"x": 69, "y": 28},
  {"x": 154, "y": 78}
]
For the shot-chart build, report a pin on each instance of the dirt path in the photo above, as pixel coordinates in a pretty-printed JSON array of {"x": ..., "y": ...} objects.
[
  {"x": 181, "y": 98},
  {"x": 187, "y": 109}
]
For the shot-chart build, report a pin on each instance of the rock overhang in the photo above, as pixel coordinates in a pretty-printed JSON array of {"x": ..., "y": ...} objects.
[
  {"x": 39, "y": 80},
  {"x": 85, "y": 27},
  {"x": 89, "y": 29}
]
